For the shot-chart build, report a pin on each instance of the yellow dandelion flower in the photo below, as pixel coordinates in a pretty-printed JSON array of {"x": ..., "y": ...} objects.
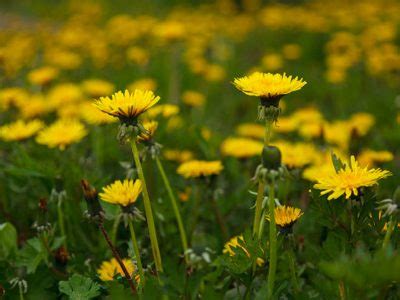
[
  {"x": 178, "y": 155},
  {"x": 93, "y": 116},
  {"x": 97, "y": 87},
  {"x": 369, "y": 157},
  {"x": 143, "y": 84},
  {"x": 20, "y": 130},
  {"x": 286, "y": 216},
  {"x": 123, "y": 193},
  {"x": 164, "y": 110},
  {"x": 199, "y": 168},
  {"x": 251, "y": 130},
  {"x": 349, "y": 179},
  {"x": 42, "y": 76},
  {"x": 61, "y": 134},
  {"x": 34, "y": 106},
  {"x": 151, "y": 127},
  {"x": 109, "y": 269},
  {"x": 12, "y": 96},
  {"x": 234, "y": 243},
  {"x": 241, "y": 147},
  {"x": 267, "y": 85},
  {"x": 193, "y": 98},
  {"x": 272, "y": 61},
  {"x": 291, "y": 51},
  {"x": 297, "y": 155},
  {"x": 361, "y": 122},
  {"x": 127, "y": 106}
]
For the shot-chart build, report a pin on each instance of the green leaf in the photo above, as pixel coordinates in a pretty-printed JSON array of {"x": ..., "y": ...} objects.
[
  {"x": 79, "y": 288},
  {"x": 32, "y": 255},
  {"x": 8, "y": 240},
  {"x": 337, "y": 163}
]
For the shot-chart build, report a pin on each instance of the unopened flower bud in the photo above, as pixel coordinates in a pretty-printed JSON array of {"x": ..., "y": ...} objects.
[
  {"x": 271, "y": 157},
  {"x": 95, "y": 211}
]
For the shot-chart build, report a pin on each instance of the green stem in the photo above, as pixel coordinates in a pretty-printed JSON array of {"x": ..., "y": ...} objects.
[
  {"x": 268, "y": 132},
  {"x": 61, "y": 222},
  {"x": 137, "y": 253},
  {"x": 115, "y": 228},
  {"x": 175, "y": 208},
  {"x": 148, "y": 209},
  {"x": 21, "y": 292},
  {"x": 259, "y": 201},
  {"x": 292, "y": 267},
  {"x": 389, "y": 231},
  {"x": 272, "y": 241},
  {"x": 195, "y": 210}
]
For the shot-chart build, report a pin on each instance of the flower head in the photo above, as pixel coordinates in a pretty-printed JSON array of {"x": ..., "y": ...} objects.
[
  {"x": 42, "y": 76},
  {"x": 127, "y": 106},
  {"x": 234, "y": 243},
  {"x": 193, "y": 98},
  {"x": 241, "y": 147},
  {"x": 97, "y": 87},
  {"x": 198, "y": 168},
  {"x": 286, "y": 216},
  {"x": 61, "y": 134},
  {"x": 151, "y": 127},
  {"x": 109, "y": 269},
  {"x": 349, "y": 179},
  {"x": 20, "y": 130},
  {"x": 123, "y": 193},
  {"x": 267, "y": 85}
]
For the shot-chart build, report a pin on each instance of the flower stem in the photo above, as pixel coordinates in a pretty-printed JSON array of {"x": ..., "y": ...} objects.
[
  {"x": 268, "y": 132},
  {"x": 389, "y": 231},
  {"x": 115, "y": 228},
  {"x": 61, "y": 222},
  {"x": 175, "y": 207},
  {"x": 272, "y": 240},
  {"x": 220, "y": 219},
  {"x": 292, "y": 267},
  {"x": 148, "y": 209},
  {"x": 259, "y": 201},
  {"x": 137, "y": 253},
  {"x": 21, "y": 292},
  {"x": 118, "y": 258}
]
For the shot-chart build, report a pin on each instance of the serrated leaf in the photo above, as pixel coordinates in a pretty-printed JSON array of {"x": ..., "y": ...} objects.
[
  {"x": 79, "y": 288},
  {"x": 337, "y": 163}
]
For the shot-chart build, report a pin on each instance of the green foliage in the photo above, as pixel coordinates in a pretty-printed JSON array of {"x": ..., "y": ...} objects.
[
  {"x": 79, "y": 287},
  {"x": 8, "y": 240}
]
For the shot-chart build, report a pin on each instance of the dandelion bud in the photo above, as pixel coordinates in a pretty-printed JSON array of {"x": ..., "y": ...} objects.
[
  {"x": 271, "y": 157},
  {"x": 95, "y": 211}
]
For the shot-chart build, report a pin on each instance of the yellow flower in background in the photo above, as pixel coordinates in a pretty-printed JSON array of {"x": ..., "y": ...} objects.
[
  {"x": 123, "y": 193},
  {"x": 93, "y": 116},
  {"x": 241, "y": 147},
  {"x": 151, "y": 127},
  {"x": 361, "y": 122},
  {"x": 143, "y": 84},
  {"x": 138, "y": 55},
  {"x": 43, "y": 75},
  {"x": 63, "y": 94},
  {"x": 109, "y": 269},
  {"x": 97, "y": 87},
  {"x": 34, "y": 106},
  {"x": 193, "y": 98},
  {"x": 61, "y": 134},
  {"x": 20, "y": 130},
  {"x": 12, "y": 96},
  {"x": 267, "y": 85},
  {"x": 127, "y": 106},
  {"x": 314, "y": 172},
  {"x": 369, "y": 157},
  {"x": 272, "y": 61},
  {"x": 199, "y": 168},
  {"x": 286, "y": 124},
  {"x": 178, "y": 155},
  {"x": 251, "y": 130},
  {"x": 234, "y": 243},
  {"x": 164, "y": 110},
  {"x": 286, "y": 216},
  {"x": 291, "y": 51},
  {"x": 297, "y": 155},
  {"x": 348, "y": 180}
]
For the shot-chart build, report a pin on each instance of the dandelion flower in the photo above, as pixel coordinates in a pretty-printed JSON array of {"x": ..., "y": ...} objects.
[
  {"x": 164, "y": 110},
  {"x": 123, "y": 193},
  {"x": 127, "y": 106},
  {"x": 286, "y": 216},
  {"x": 199, "y": 168},
  {"x": 20, "y": 130},
  {"x": 151, "y": 127},
  {"x": 97, "y": 87},
  {"x": 178, "y": 155},
  {"x": 109, "y": 269},
  {"x": 251, "y": 130},
  {"x": 241, "y": 147},
  {"x": 234, "y": 243},
  {"x": 369, "y": 157},
  {"x": 348, "y": 180},
  {"x": 193, "y": 98},
  {"x": 42, "y": 76},
  {"x": 267, "y": 85},
  {"x": 62, "y": 133}
]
